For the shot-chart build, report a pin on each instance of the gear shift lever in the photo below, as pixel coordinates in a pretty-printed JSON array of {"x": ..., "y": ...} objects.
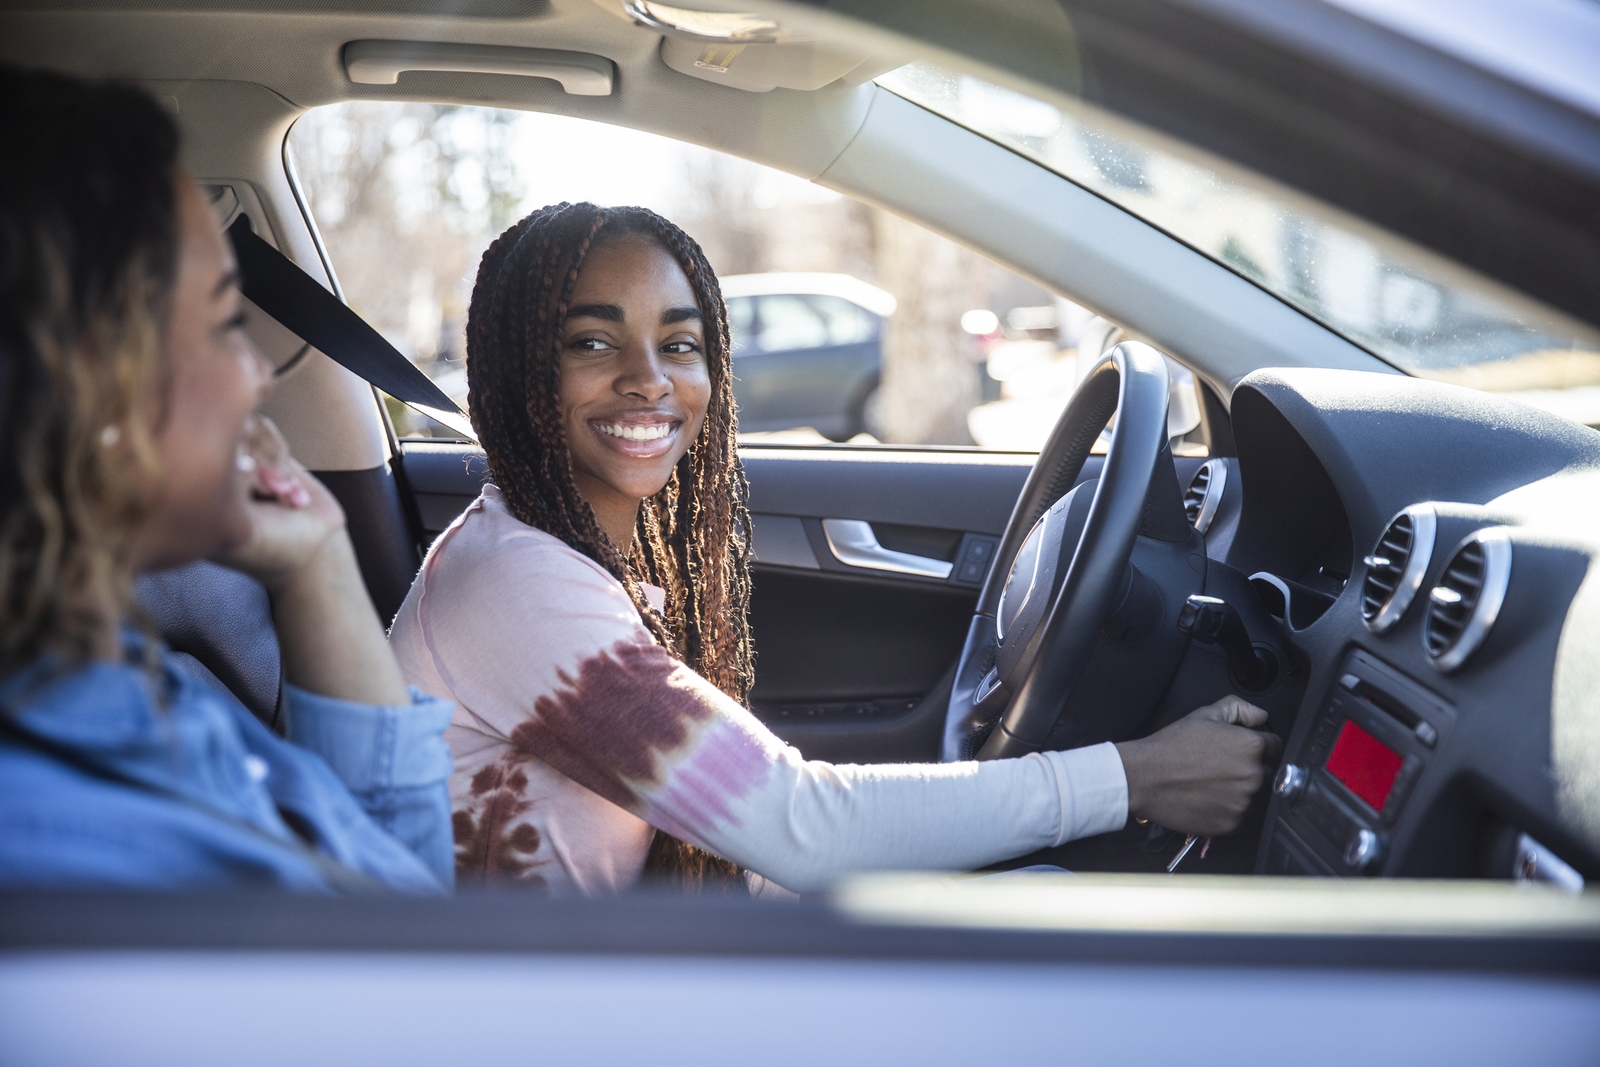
[{"x": 1215, "y": 622}]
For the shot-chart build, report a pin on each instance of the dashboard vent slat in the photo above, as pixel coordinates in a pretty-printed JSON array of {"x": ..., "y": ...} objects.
[
  {"x": 1464, "y": 604},
  {"x": 1396, "y": 567},
  {"x": 1204, "y": 495}
]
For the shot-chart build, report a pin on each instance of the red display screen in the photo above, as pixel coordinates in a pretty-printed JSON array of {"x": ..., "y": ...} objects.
[{"x": 1365, "y": 764}]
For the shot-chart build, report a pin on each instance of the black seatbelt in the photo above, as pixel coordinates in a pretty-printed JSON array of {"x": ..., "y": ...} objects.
[{"x": 276, "y": 285}]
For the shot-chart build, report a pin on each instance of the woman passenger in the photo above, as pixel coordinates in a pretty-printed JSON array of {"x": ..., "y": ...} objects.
[
  {"x": 128, "y": 443},
  {"x": 588, "y": 615}
]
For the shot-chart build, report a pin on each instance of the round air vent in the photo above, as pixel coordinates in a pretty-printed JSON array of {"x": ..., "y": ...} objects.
[
  {"x": 1396, "y": 566},
  {"x": 1201, "y": 499},
  {"x": 1463, "y": 606}
]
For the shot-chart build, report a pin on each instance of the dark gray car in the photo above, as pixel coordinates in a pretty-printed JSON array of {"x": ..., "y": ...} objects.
[{"x": 806, "y": 351}]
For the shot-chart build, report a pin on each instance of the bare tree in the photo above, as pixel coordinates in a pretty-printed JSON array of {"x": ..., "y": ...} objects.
[
  {"x": 930, "y": 370},
  {"x": 719, "y": 210},
  {"x": 406, "y": 196}
]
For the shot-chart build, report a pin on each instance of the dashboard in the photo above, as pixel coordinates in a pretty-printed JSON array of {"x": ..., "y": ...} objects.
[{"x": 1424, "y": 552}]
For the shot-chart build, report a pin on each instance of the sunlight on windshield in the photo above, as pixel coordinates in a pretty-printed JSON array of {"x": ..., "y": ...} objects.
[{"x": 1417, "y": 312}]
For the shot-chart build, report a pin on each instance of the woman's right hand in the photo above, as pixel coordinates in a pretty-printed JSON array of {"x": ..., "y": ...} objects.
[{"x": 1197, "y": 775}]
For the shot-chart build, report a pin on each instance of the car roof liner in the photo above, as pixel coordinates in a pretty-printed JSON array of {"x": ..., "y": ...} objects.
[
  {"x": 1444, "y": 153},
  {"x": 458, "y": 9}
]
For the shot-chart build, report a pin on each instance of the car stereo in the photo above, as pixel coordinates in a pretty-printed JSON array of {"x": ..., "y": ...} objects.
[{"x": 1343, "y": 790}]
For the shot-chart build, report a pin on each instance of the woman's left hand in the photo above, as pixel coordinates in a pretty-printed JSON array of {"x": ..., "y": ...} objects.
[{"x": 292, "y": 515}]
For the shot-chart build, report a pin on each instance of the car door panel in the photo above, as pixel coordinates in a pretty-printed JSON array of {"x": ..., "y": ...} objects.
[
  {"x": 851, "y": 664},
  {"x": 442, "y": 478},
  {"x": 952, "y": 489}
]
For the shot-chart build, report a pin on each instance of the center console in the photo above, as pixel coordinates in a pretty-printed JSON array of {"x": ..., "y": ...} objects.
[{"x": 1345, "y": 786}]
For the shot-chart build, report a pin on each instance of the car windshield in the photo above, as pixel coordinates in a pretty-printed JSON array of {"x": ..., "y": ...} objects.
[{"x": 1420, "y": 313}]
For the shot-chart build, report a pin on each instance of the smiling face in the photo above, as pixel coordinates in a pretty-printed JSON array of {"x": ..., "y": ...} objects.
[
  {"x": 214, "y": 378},
  {"x": 634, "y": 380}
]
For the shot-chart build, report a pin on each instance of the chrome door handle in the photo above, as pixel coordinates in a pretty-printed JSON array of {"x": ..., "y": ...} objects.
[{"x": 855, "y": 545}]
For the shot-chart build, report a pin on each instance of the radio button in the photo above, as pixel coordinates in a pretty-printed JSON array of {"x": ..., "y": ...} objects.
[
  {"x": 1290, "y": 781},
  {"x": 1362, "y": 850}
]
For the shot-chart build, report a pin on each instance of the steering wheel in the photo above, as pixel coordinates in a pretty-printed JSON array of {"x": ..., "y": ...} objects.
[{"x": 1048, "y": 594}]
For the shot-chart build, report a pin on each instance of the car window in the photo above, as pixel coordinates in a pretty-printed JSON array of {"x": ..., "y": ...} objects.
[
  {"x": 848, "y": 324},
  {"x": 1416, "y": 311},
  {"x": 741, "y": 320},
  {"x": 788, "y": 323},
  {"x": 407, "y": 196}
]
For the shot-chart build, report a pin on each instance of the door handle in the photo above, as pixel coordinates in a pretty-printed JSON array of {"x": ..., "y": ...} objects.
[
  {"x": 855, "y": 545},
  {"x": 380, "y": 63}
]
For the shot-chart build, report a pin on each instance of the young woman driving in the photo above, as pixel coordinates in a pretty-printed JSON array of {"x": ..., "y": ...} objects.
[
  {"x": 128, "y": 444},
  {"x": 588, "y": 615}
]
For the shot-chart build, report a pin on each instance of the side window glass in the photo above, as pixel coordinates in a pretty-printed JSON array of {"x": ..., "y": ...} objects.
[
  {"x": 871, "y": 329},
  {"x": 789, "y": 323},
  {"x": 847, "y": 323},
  {"x": 741, "y": 324}
]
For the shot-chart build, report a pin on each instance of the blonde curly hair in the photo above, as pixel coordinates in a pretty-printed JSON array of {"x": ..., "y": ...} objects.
[{"x": 88, "y": 257}]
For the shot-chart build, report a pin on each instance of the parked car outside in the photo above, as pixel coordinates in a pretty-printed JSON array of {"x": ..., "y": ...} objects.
[{"x": 806, "y": 351}]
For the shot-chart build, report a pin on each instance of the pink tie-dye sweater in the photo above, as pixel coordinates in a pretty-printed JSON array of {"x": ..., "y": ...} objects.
[{"x": 575, "y": 735}]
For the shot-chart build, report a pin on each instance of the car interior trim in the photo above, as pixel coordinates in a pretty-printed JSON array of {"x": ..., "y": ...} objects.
[
  {"x": 1424, "y": 524},
  {"x": 781, "y": 541},
  {"x": 1495, "y": 543},
  {"x": 855, "y": 545},
  {"x": 1436, "y": 926},
  {"x": 976, "y": 192},
  {"x": 382, "y": 63},
  {"x": 1215, "y": 472}
]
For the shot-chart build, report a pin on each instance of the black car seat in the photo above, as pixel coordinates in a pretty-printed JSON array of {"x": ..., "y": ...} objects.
[{"x": 218, "y": 623}]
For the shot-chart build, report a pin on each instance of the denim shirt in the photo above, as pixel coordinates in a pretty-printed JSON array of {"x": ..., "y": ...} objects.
[{"x": 366, "y": 784}]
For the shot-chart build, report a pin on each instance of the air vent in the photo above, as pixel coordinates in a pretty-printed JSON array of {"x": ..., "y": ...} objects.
[
  {"x": 1463, "y": 606},
  {"x": 1205, "y": 493},
  {"x": 1396, "y": 567}
]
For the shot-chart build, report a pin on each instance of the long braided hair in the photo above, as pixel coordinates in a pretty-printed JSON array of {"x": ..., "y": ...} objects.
[{"x": 692, "y": 538}]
